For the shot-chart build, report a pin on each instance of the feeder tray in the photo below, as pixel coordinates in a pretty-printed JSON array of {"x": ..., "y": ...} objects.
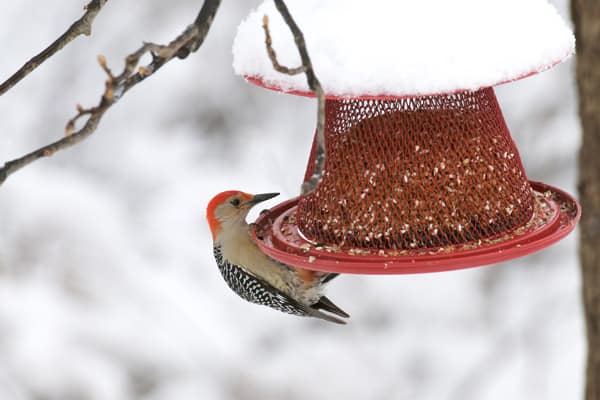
[{"x": 556, "y": 214}]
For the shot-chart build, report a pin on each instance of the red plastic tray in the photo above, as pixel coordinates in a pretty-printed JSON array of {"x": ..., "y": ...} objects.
[{"x": 555, "y": 216}]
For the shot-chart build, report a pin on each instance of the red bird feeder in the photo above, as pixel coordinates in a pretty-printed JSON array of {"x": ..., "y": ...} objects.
[{"x": 415, "y": 184}]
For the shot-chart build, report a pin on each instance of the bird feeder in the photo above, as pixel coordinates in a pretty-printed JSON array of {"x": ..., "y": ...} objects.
[{"x": 421, "y": 173}]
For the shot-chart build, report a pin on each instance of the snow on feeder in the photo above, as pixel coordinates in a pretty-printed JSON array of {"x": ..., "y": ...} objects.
[{"x": 421, "y": 172}]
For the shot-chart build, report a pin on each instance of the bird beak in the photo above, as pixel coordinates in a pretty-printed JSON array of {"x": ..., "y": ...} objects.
[{"x": 259, "y": 198}]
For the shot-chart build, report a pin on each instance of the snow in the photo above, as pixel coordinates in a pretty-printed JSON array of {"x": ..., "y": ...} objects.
[
  {"x": 406, "y": 47},
  {"x": 108, "y": 287}
]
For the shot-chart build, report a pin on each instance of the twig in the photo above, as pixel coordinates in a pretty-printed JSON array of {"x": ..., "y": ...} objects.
[
  {"x": 116, "y": 86},
  {"x": 313, "y": 83},
  {"x": 273, "y": 55},
  {"x": 83, "y": 26}
]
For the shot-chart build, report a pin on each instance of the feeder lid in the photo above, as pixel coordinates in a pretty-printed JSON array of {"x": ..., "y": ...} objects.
[{"x": 405, "y": 47}]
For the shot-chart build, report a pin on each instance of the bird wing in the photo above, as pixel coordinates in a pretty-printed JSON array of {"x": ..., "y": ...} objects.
[{"x": 256, "y": 290}]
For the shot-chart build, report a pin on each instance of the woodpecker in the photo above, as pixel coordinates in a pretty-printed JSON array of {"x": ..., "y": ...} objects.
[{"x": 254, "y": 276}]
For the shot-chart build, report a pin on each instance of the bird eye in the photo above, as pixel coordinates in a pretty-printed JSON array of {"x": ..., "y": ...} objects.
[{"x": 235, "y": 202}]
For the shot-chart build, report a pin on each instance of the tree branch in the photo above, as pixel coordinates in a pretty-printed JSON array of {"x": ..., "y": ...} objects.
[
  {"x": 116, "y": 86},
  {"x": 313, "y": 83},
  {"x": 83, "y": 26},
  {"x": 273, "y": 55},
  {"x": 586, "y": 18}
]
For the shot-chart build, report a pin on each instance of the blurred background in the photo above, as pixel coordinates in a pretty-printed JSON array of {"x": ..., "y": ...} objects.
[{"x": 108, "y": 288}]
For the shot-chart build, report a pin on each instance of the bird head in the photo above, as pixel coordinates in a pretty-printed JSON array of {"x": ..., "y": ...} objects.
[{"x": 231, "y": 208}]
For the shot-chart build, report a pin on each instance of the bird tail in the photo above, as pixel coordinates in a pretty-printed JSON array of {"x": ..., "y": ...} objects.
[
  {"x": 325, "y": 304},
  {"x": 329, "y": 277}
]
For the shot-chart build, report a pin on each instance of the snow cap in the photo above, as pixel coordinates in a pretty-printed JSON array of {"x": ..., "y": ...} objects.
[{"x": 405, "y": 47}]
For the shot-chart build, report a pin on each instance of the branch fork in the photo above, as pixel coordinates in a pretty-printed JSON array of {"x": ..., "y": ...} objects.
[{"x": 313, "y": 83}]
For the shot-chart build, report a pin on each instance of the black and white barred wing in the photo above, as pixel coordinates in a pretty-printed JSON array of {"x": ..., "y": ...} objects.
[{"x": 255, "y": 290}]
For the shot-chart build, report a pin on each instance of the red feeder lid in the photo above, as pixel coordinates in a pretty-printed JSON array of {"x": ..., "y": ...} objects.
[
  {"x": 260, "y": 82},
  {"x": 417, "y": 184},
  {"x": 405, "y": 48}
]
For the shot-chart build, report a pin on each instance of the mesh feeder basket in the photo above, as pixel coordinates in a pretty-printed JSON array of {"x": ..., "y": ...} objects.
[{"x": 415, "y": 183}]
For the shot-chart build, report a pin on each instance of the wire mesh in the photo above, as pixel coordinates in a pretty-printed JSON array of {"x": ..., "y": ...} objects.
[{"x": 414, "y": 173}]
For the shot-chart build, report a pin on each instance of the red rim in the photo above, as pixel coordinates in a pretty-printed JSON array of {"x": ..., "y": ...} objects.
[
  {"x": 258, "y": 81},
  {"x": 556, "y": 215}
]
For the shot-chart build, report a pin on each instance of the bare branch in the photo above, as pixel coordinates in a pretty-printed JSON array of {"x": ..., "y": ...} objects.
[
  {"x": 116, "y": 86},
  {"x": 313, "y": 83},
  {"x": 83, "y": 26},
  {"x": 273, "y": 55}
]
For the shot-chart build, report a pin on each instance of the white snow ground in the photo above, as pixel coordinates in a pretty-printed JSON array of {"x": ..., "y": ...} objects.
[{"x": 108, "y": 289}]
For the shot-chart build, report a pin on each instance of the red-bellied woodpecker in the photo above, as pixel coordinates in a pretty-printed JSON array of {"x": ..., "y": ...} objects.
[{"x": 252, "y": 274}]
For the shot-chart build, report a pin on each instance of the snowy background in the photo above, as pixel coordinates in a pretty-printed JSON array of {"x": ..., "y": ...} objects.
[{"x": 108, "y": 289}]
